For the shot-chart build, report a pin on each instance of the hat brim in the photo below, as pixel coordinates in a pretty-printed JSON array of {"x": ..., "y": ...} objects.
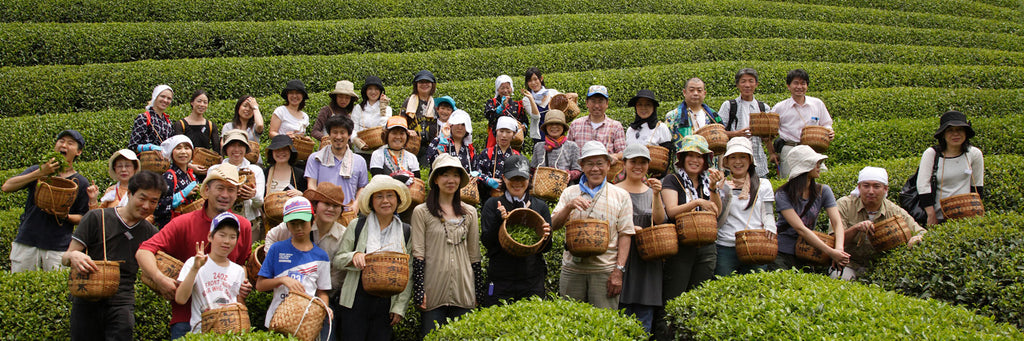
[
  {"x": 967, "y": 128},
  {"x": 632, "y": 101},
  {"x": 516, "y": 174},
  {"x": 386, "y": 183},
  {"x": 304, "y": 216},
  {"x": 345, "y": 92},
  {"x": 463, "y": 176},
  {"x": 223, "y": 148}
]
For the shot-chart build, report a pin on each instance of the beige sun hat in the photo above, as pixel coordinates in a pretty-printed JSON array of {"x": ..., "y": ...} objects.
[
  {"x": 224, "y": 171},
  {"x": 802, "y": 159},
  {"x": 555, "y": 116},
  {"x": 384, "y": 183},
  {"x": 445, "y": 160},
  {"x": 739, "y": 144},
  {"x": 345, "y": 88},
  {"x": 127, "y": 154}
]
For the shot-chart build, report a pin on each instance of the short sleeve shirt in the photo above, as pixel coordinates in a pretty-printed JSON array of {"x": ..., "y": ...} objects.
[
  {"x": 214, "y": 287},
  {"x": 122, "y": 243},
  {"x": 788, "y": 235},
  {"x": 43, "y": 230},
  {"x": 311, "y": 268}
]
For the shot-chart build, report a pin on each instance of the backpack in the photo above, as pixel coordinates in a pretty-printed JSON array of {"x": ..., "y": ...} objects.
[
  {"x": 732, "y": 113},
  {"x": 910, "y": 200},
  {"x": 209, "y": 128},
  {"x": 406, "y": 229}
]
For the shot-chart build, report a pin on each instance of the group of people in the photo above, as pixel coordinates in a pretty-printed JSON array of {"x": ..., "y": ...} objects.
[{"x": 316, "y": 250}]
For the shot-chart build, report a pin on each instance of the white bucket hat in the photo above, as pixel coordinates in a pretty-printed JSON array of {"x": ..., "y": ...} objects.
[
  {"x": 739, "y": 145},
  {"x": 802, "y": 159},
  {"x": 594, "y": 148},
  {"x": 127, "y": 154}
]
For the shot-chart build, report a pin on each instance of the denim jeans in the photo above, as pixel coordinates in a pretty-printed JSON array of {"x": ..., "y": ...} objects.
[
  {"x": 728, "y": 263},
  {"x": 644, "y": 313},
  {"x": 179, "y": 330}
]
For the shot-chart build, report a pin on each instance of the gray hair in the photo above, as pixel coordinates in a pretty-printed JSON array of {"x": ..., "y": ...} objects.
[{"x": 746, "y": 71}]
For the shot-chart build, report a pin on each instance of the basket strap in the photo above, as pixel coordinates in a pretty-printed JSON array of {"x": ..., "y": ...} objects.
[
  {"x": 330, "y": 327},
  {"x": 103, "y": 232}
]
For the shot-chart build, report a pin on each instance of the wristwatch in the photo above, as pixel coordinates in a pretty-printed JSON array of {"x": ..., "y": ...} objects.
[{"x": 620, "y": 267}]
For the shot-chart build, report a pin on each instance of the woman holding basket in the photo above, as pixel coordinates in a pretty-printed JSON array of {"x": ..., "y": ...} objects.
[
  {"x": 799, "y": 201},
  {"x": 959, "y": 170},
  {"x": 181, "y": 181},
  {"x": 747, "y": 203},
  {"x": 641, "y": 284}
]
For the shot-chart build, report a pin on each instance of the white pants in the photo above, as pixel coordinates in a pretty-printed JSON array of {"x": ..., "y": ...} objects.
[{"x": 30, "y": 258}]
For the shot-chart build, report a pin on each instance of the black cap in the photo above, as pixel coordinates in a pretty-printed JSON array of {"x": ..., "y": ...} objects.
[
  {"x": 516, "y": 166},
  {"x": 74, "y": 135},
  {"x": 372, "y": 80},
  {"x": 643, "y": 93},
  {"x": 294, "y": 84},
  {"x": 954, "y": 118},
  {"x": 424, "y": 75}
]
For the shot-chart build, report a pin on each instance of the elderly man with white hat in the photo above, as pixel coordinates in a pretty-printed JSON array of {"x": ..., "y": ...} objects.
[
  {"x": 596, "y": 279},
  {"x": 860, "y": 210},
  {"x": 179, "y": 238}
]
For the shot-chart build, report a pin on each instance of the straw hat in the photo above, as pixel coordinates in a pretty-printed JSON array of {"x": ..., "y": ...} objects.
[
  {"x": 384, "y": 183},
  {"x": 345, "y": 88},
  {"x": 326, "y": 192},
  {"x": 445, "y": 160},
  {"x": 225, "y": 171},
  {"x": 127, "y": 154}
]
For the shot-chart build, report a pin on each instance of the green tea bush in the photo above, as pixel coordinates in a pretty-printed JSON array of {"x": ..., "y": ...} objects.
[
  {"x": 964, "y": 8},
  {"x": 232, "y": 336},
  {"x": 537, "y": 319},
  {"x": 40, "y": 44},
  {"x": 238, "y": 10},
  {"x": 977, "y": 263},
  {"x": 64, "y": 88},
  {"x": 896, "y": 138},
  {"x": 788, "y": 305},
  {"x": 9, "y": 220}
]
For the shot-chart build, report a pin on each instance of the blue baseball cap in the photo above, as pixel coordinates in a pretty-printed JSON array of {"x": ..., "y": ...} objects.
[{"x": 597, "y": 90}]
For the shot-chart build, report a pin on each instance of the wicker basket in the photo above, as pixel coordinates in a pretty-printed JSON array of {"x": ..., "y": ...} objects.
[
  {"x": 756, "y": 246},
  {"x": 153, "y": 161},
  {"x": 614, "y": 170},
  {"x": 961, "y": 206},
  {"x": 97, "y": 285},
  {"x": 586, "y": 237},
  {"x": 657, "y": 242},
  {"x": 697, "y": 228},
  {"x": 55, "y": 195},
  {"x": 254, "y": 152},
  {"x": 205, "y": 157},
  {"x": 659, "y": 158},
  {"x": 347, "y": 217},
  {"x": 890, "y": 234},
  {"x": 525, "y": 217},
  {"x": 168, "y": 265},
  {"x": 810, "y": 253},
  {"x": 255, "y": 262},
  {"x": 304, "y": 145},
  {"x": 417, "y": 192},
  {"x": 469, "y": 193},
  {"x": 386, "y": 273},
  {"x": 816, "y": 137},
  {"x": 567, "y": 104},
  {"x": 372, "y": 137},
  {"x": 412, "y": 144},
  {"x": 192, "y": 206},
  {"x": 273, "y": 205},
  {"x": 299, "y": 315},
  {"x": 232, "y": 317},
  {"x": 764, "y": 124},
  {"x": 548, "y": 183},
  {"x": 717, "y": 139}
]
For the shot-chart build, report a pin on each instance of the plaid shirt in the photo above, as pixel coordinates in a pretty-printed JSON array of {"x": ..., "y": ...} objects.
[
  {"x": 143, "y": 133},
  {"x": 610, "y": 133}
]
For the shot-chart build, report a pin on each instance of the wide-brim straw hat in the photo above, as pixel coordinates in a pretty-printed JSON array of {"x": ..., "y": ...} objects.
[
  {"x": 345, "y": 88},
  {"x": 384, "y": 183},
  {"x": 326, "y": 192},
  {"x": 224, "y": 171},
  {"x": 555, "y": 116},
  {"x": 443, "y": 161},
  {"x": 127, "y": 154}
]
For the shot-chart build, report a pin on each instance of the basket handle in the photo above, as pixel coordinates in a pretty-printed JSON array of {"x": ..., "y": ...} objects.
[
  {"x": 330, "y": 326},
  {"x": 103, "y": 229}
]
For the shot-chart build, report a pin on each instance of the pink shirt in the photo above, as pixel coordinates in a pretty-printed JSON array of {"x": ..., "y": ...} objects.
[{"x": 794, "y": 117}]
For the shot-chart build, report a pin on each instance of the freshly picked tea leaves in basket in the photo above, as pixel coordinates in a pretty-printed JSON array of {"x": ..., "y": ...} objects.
[{"x": 523, "y": 234}]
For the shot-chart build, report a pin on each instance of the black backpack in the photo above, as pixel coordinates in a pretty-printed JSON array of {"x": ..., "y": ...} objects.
[
  {"x": 910, "y": 200},
  {"x": 732, "y": 113}
]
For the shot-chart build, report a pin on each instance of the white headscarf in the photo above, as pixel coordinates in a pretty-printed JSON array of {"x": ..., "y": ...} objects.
[
  {"x": 156, "y": 92},
  {"x": 172, "y": 142},
  {"x": 871, "y": 174},
  {"x": 502, "y": 80},
  {"x": 462, "y": 117}
]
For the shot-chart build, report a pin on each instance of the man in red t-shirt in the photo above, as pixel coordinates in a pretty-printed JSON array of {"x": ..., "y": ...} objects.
[{"x": 180, "y": 236}]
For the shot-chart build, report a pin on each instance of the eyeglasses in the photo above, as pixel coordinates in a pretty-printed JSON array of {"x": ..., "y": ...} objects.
[{"x": 591, "y": 164}]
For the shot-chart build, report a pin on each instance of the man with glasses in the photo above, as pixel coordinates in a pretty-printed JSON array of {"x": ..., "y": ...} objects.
[{"x": 595, "y": 279}]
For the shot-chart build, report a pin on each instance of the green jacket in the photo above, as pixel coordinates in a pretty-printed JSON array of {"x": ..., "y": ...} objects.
[{"x": 343, "y": 261}]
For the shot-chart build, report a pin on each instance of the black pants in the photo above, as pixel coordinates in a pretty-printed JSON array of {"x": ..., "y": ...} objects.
[
  {"x": 512, "y": 291},
  {"x": 368, "y": 319},
  {"x": 101, "y": 321}
]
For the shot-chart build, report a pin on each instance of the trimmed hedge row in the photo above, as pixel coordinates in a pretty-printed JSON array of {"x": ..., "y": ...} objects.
[
  {"x": 236, "y": 10},
  {"x": 50, "y": 89},
  {"x": 33, "y": 44},
  {"x": 537, "y": 319},
  {"x": 965, "y": 8},
  {"x": 789, "y": 305},
  {"x": 976, "y": 263}
]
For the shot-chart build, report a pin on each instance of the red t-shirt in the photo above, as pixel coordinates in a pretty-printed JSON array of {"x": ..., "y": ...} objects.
[{"x": 179, "y": 238}]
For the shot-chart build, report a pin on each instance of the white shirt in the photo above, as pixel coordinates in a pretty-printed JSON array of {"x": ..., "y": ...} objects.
[
  {"x": 739, "y": 218},
  {"x": 794, "y": 117},
  {"x": 289, "y": 123},
  {"x": 214, "y": 287},
  {"x": 370, "y": 117},
  {"x": 648, "y": 136}
]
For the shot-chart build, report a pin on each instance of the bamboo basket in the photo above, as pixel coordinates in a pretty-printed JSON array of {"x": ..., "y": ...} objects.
[
  {"x": 548, "y": 183},
  {"x": 756, "y": 246},
  {"x": 816, "y": 137},
  {"x": 153, "y": 161},
  {"x": 372, "y": 137},
  {"x": 469, "y": 193},
  {"x": 697, "y": 228},
  {"x": 716, "y": 137},
  {"x": 168, "y": 266},
  {"x": 99, "y": 284},
  {"x": 412, "y": 144},
  {"x": 299, "y": 315},
  {"x": 205, "y": 157},
  {"x": 961, "y": 206},
  {"x": 811, "y": 254},
  {"x": 305, "y": 146},
  {"x": 417, "y": 192},
  {"x": 192, "y": 206},
  {"x": 528, "y": 218},
  {"x": 273, "y": 205},
  {"x": 254, "y": 152},
  {"x": 890, "y": 234},
  {"x": 586, "y": 237},
  {"x": 347, "y": 217},
  {"x": 567, "y": 104},
  {"x": 519, "y": 137},
  {"x": 657, "y": 242},
  {"x": 614, "y": 170},
  {"x": 764, "y": 124},
  {"x": 386, "y": 273},
  {"x": 255, "y": 262},
  {"x": 232, "y": 317},
  {"x": 659, "y": 158},
  {"x": 55, "y": 195}
]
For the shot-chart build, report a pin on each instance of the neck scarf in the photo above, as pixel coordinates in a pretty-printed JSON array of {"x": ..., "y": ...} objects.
[
  {"x": 592, "y": 191},
  {"x": 553, "y": 143},
  {"x": 691, "y": 191},
  {"x": 412, "y": 105},
  {"x": 652, "y": 122}
]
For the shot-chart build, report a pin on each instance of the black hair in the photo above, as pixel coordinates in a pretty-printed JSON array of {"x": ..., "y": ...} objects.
[
  {"x": 797, "y": 74},
  {"x": 434, "y": 197},
  {"x": 529, "y": 186},
  {"x": 795, "y": 188},
  {"x": 339, "y": 121},
  {"x": 755, "y": 182},
  {"x": 291, "y": 160},
  {"x": 237, "y": 121},
  {"x": 302, "y": 104},
  {"x": 433, "y": 87},
  {"x": 746, "y": 71},
  {"x": 706, "y": 157},
  {"x": 365, "y": 98},
  {"x": 334, "y": 104},
  {"x": 533, "y": 71},
  {"x": 146, "y": 180},
  {"x": 197, "y": 93},
  {"x": 941, "y": 142}
]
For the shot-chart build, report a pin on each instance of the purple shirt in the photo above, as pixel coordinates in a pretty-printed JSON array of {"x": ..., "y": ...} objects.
[{"x": 321, "y": 173}]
